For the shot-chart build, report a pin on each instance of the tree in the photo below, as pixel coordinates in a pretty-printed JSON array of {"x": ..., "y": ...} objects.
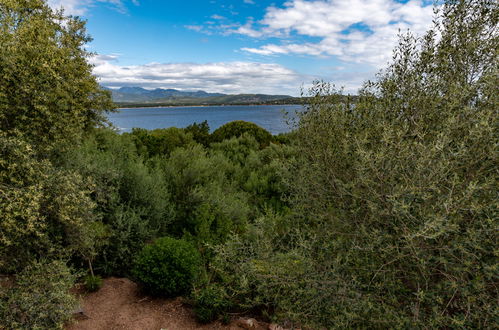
[
  {"x": 47, "y": 91},
  {"x": 394, "y": 197},
  {"x": 46, "y": 212},
  {"x": 200, "y": 132},
  {"x": 399, "y": 190}
]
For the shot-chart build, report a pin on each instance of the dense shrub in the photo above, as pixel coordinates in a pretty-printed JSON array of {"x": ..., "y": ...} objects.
[
  {"x": 131, "y": 196},
  {"x": 219, "y": 213},
  {"x": 186, "y": 173},
  {"x": 238, "y": 128},
  {"x": 257, "y": 172},
  {"x": 200, "y": 132},
  {"x": 237, "y": 149},
  {"x": 394, "y": 197},
  {"x": 45, "y": 211},
  {"x": 161, "y": 142},
  {"x": 211, "y": 303},
  {"x": 167, "y": 267},
  {"x": 40, "y": 298}
]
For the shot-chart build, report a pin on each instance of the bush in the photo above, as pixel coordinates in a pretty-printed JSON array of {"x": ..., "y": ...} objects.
[
  {"x": 212, "y": 303},
  {"x": 40, "y": 298},
  {"x": 161, "y": 141},
  {"x": 92, "y": 283},
  {"x": 395, "y": 196},
  {"x": 200, "y": 132},
  {"x": 167, "y": 267},
  {"x": 131, "y": 196},
  {"x": 239, "y": 127}
]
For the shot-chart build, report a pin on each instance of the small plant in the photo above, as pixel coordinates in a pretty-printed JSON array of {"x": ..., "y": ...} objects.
[
  {"x": 92, "y": 283},
  {"x": 167, "y": 267},
  {"x": 212, "y": 303}
]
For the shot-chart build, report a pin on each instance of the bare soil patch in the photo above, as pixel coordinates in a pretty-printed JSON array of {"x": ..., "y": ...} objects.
[{"x": 120, "y": 305}]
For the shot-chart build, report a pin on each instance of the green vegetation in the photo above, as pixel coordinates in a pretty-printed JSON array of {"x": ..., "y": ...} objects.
[
  {"x": 92, "y": 283},
  {"x": 377, "y": 212},
  {"x": 238, "y": 128},
  {"x": 394, "y": 199},
  {"x": 168, "y": 267},
  {"x": 40, "y": 299},
  {"x": 212, "y": 303},
  {"x": 48, "y": 94}
]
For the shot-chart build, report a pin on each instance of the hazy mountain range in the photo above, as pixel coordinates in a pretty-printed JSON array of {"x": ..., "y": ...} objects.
[{"x": 139, "y": 95}]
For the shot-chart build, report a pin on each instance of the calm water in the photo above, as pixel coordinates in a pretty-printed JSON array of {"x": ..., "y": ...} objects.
[{"x": 270, "y": 117}]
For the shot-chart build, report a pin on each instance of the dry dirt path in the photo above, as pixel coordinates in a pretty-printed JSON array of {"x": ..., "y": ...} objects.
[{"x": 120, "y": 305}]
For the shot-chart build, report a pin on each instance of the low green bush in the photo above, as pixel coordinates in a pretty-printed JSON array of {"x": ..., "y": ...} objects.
[
  {"x": 40, "y": 298},
  {"x": 92, "y": 283},
  {"x": 212, "y": 303},
  {"x": 167, "y": 267},
  {"x": 239, "y": 127}
]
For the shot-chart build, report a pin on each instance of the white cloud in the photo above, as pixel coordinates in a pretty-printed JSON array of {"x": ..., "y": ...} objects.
[
  {"x": 197, "y": 28},
  {"x": 80, "y": 7},
  {"x": 359, "y": 31},
  {"x": 224, "y": 77},
  {"x": 217, "y": 17}
]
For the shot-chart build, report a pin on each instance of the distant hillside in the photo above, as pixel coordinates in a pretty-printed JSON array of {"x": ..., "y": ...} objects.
[{"x": 138, "y": 95}]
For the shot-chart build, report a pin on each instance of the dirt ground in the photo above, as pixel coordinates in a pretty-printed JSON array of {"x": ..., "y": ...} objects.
[{"x": 120, "y": 305}]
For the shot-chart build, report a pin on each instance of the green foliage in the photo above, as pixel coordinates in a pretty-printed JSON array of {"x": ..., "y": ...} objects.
[
  {"x": 200, "y": 132},
  {"x": 218, "y": 214},
  {"x": 47, "y": 91},
  {"x": 394, "y": 197},
  {"x": 237, "y": 149},
  {"x": 161, "y": 142},
  {"x": 40, "y": 298},
  {"x": 131, "y": 196},
  {"x": 211, "y": 303},
  {"x": 167, "y": 267},
  {"x": 92, "y": 283},
  {"x": 258, "y": 172},
  {"x": 238, "y": 128},
  {"x": 187, "y": 172},
  {"x": 45, "y": 211},
  {"x": 260, "y": 269}
]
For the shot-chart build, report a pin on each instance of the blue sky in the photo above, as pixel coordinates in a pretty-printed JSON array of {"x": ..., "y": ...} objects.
[{"x": 244, "y": 46}]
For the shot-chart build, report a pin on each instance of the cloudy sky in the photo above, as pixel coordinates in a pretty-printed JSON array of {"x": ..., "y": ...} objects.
[{"x": 244, "y": 46}]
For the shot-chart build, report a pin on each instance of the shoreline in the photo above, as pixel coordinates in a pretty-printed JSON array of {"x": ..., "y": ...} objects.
[{"x": 202, "y": 106}]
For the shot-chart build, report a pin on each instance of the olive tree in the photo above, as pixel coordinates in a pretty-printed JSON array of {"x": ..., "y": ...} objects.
[
  {"x": 399, "y": 189},
  {"x": 394, "y": 194}
]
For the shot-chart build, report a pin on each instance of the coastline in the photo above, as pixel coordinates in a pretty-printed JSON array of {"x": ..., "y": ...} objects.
[{"x": 142, "y": 106}]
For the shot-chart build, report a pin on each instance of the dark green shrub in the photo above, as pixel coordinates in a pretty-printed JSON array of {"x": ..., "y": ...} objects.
[
  {"x": 238, "y": 128},
  {"x": 130, "y": 193},
  {"x": 186, "y": 172},
  {"x": 237, "y": 149},
  {"x": 92, "y": 283},
  {"x": 167, "y": 267},
  {"x": 160, "y": 142},
  {"x": 212, "y": 303},
  {"x": 40, "y": 298},
  {"x": 200, "y": 132}
]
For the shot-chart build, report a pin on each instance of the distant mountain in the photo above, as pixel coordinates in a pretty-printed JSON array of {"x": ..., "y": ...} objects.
[{"x": 139, "y": 95}]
